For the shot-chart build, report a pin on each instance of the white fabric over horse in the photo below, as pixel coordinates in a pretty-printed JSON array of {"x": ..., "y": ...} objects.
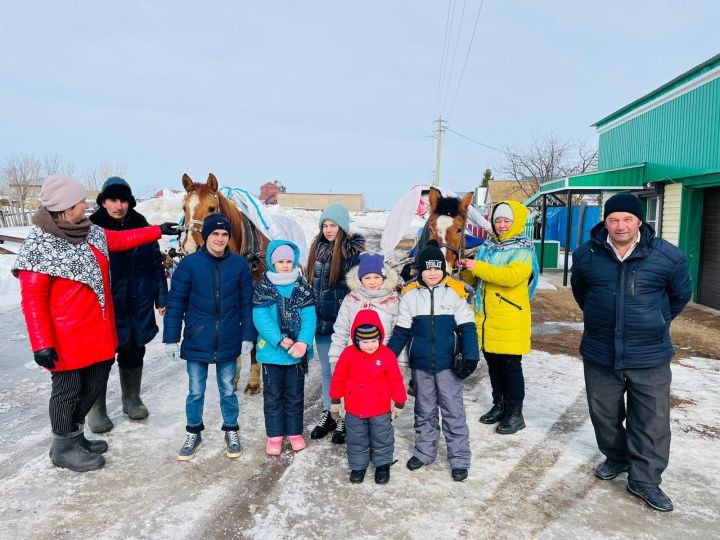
[{"x": 272, "y": 227}]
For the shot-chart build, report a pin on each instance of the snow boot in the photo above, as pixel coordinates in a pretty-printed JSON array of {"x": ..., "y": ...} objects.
[
  {"x": 495, "y": 414},
  {"x": 297, "y": 442},
  {"x": 273, "y": 447},
  {"x": 325, "y": 425},
  {"x": 357, "y": 477},
  {"x": 513, "y": 421},
  {"x": 338, "y": 436},
  {"x": 382, "y": 474},
  {"x": 69, "y": 453},
  {"x": 97, "y": 418},
  {"x": 133, "y": 406},
  {"x": 414, "y": 464},
  {"x": 459, "y": 475}
]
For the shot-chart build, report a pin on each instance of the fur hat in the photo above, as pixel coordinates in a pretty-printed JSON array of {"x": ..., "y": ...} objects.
[
  {"x": 624, "y": 202},
  {"x": 282, "y": 252},
  {"x": 431, "y": 257},
  {"x": 116, "y": 188},
  {"x": 371, "y": 263},
  {"x": 503, "y": 210},
  {"x": 365, "y": 332},
  {"x": 59, "y": 192},
  {"x": 214, "y": 222},
  {"x": 338, "y": 214}
]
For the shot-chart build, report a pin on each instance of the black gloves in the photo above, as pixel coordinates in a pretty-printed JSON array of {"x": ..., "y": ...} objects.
[
  {"x": 46, "y": 358},
  {"x": 464, "y": 368},
  {"x": 169, "y": 228}
]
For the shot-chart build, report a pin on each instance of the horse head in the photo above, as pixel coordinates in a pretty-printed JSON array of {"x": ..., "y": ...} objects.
[
  {"x": 200, "y": 201},
  {"x": 448, "y": 217}
]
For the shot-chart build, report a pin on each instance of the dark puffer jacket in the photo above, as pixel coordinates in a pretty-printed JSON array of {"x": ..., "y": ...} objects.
[
  {"x": 328, "y": 299},
  {"x": 138, "y": 282},
  {"x": 628, "y": 306},
  {"x": 214, "y": 297}
]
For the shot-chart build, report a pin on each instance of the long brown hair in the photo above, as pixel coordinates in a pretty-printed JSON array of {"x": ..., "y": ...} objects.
[{"x": 338, "y": 257}]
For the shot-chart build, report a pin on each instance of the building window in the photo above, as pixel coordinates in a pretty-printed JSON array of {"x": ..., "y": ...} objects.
[{"x": 652, "y": 213}]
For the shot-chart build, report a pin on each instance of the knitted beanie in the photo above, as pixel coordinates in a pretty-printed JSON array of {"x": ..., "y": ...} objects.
[
  {"x": 371, "y": 263},
  {"x": 214, "y": 222},
  {"x": 338, "y": 214},
  {"x": 365, "y": 332},
  {"x": 624, "y": 202},
  {"x": 59, "y": 192},
  {"x": 431, "y": 257},
  {"x": 116, "y": 188},
  {"x": 282, "y": 253},
  {"x": 503, "y": 210}
]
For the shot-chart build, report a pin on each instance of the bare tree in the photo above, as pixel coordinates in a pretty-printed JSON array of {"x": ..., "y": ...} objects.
[
  {"x": 54, "y": 164},
  {"x": 545, "y": 160},
  {"x": 96, "y": 175},
  {"x": 21, "y": 172}
]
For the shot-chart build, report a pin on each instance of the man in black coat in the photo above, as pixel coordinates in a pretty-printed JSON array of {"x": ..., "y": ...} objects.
[
  {"x": 630, "y": 285},
  {"x": 138, "y": 284}
]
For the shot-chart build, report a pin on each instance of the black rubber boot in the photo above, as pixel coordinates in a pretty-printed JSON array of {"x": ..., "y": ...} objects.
[
  {"x": 382, "y": 474},
  {"x": 514, "y": 420},
  {"x": 97, "y": 418},
  {"x": 130, "y": 380},
  {"x": 69, "y": 453},
  {"x": 495, "y": 414}
]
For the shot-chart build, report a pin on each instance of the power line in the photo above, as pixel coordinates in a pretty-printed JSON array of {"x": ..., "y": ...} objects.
[
  {"x": 474, "y": 140},
  {"x": 443, "y": 58},
  {"x": 462, "y": 73},
  {"x": 452, "y": 62}
]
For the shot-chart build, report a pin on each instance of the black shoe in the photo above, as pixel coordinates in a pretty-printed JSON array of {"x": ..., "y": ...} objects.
[
  {"x": 338, "y": 436},
  {"x": 357, "y": 477},
  {"x": 495, "y": 414},
  {"x": 70, "y": 454},
  {"x": 459, "y": 475},
  {"x": 415, "y": 464},
  {"x": 652, "y": 495},
  {"x": 325, "y": 425},
  {"x": 382, "y": 474},
  {"x": 513, "y": 420},
  {"x": 608, "y": 470}
]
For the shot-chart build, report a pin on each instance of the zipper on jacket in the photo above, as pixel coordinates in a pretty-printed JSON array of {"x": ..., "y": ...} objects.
[
  {"x": 217, "y": 309},
  {"x": 432, "y": 326},
  {"x": 484, "y": 295},
  {"x": 632, "y": 283},
  {"x": 503, "y": 299}
]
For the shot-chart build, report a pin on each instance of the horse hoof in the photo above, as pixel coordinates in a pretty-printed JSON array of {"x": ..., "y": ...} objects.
[{"x": 252, "y": 389}]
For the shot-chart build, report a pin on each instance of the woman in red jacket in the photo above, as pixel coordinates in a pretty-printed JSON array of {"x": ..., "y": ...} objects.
[{"x": 63, "y": 269}]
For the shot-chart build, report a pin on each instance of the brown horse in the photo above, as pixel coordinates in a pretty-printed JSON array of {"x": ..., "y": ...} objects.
[
  {"x": 447, "y": 223},
  {"x": 202, "y": 200}
]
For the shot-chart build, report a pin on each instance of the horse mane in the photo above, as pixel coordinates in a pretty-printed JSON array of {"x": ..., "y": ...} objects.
[{"x": 231, "y": 212}]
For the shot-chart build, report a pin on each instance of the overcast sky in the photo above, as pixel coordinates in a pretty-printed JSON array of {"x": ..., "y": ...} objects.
[{"x": 326, "y": 96}]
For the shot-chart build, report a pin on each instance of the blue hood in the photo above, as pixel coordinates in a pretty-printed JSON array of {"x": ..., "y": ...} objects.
[{"x": 276, "y": 244}]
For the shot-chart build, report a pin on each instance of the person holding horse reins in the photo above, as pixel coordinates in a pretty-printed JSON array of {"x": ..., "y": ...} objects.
[
  {"x": 332, "y": 253},
  {"x": 505, "y": 273}
]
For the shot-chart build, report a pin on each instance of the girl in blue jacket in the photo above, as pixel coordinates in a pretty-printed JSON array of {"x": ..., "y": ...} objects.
[{"x": 284, "y": 316}]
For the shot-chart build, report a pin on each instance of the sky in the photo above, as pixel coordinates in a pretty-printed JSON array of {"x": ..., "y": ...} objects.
[{"x": 327, "y": 96}]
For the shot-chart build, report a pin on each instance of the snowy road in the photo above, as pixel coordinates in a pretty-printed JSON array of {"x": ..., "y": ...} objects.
[{"x": 536, "y": 484}]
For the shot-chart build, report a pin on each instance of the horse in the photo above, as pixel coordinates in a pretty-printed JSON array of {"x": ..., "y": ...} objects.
[
  {"x": 202, "y": 200},
  {"x": 446, "y": 225}
]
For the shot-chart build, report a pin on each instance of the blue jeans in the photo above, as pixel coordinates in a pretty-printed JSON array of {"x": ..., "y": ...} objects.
[
  {"x": 323, "y": 348},
  {"x": 197, "y": 379},
  {"x": 283, "y": 399}
]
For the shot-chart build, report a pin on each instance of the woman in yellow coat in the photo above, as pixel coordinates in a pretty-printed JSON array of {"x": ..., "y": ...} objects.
[{"x": 504, "y": 273}]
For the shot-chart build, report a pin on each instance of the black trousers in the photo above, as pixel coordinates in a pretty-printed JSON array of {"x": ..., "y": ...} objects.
[
  {"x": 130, "y": 357},
  {"x": 283, "y": 399},
  {"x": 73, "y": 393},
  {"x": 506, "y": 376},
  {"x": 644, "y": 439}
]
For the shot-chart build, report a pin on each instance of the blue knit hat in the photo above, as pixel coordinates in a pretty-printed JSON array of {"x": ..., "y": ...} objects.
[
  {"x": 116, "y": 188},
  {"x": 214, "y": 222},
  {"x": 338, "y": 214},
  {"x": 371, "y": 263}
]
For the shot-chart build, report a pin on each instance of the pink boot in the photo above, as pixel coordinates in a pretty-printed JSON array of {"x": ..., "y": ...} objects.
[
  {"x": 274, "y": 446},
  {"x": 297, "y": 442}
]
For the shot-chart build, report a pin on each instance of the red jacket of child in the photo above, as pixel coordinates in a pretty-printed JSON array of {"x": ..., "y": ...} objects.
[{"x": 368, "y": 381}]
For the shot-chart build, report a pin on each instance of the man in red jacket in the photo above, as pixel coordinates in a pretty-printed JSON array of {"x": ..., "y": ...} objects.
[
  {"x": 63, "y": 268},
  {"x": 367, "y": 376}
]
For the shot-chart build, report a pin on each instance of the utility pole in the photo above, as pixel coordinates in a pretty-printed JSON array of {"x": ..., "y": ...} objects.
[{"x": 438, "y": 150}]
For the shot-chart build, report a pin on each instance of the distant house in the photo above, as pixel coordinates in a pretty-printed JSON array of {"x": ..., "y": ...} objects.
[
  {"x": 499, "y": 190},
  {"x": 269, "y": 191},
  {"x": 320, "y": 201}
]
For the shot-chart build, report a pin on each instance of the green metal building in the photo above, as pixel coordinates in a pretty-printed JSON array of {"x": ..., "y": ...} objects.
[{"x": 665, "y": 146}]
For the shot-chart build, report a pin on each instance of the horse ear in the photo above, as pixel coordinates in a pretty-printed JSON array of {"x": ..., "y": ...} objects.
[
  {"x": 465, "y": 204},
  {"x": 434, "y": 197},
  {"x": 187, "y": 182},
  {"x": 212, "y": 182}
]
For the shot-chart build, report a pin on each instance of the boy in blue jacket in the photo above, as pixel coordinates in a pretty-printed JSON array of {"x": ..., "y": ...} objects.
[
  {"x": 284, "y": 316},
  {"x": 211, "y": 292}
]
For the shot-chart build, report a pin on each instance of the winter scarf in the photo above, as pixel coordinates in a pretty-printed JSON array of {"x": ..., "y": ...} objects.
[
  {"x": 266, "y": 294},
  {"x": 133, "y": 220},
  {"x": 352, "y": 246},
  {"x": 58, "y": 256},
  {"x": 75, "y": 233}
]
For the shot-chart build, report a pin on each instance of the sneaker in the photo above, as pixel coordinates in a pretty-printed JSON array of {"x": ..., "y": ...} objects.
[
  {"x": 325, "y": 425},
  {"x": 338, "y": 436},
  {"x": 459, "y": 475},
  {"x": 382, "y": 474},
  {"x": 273, "y": 447},
  {"x": 297, "y": 442},
  {"x": 608, "y": 470},
  {"x": 193, "y": 442},
  {"x": 414, "y": 464},
  {"x": 232, "y": 444},
  {"x": 652, "y": 495},
  {"x": 357, "y": 477}
]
